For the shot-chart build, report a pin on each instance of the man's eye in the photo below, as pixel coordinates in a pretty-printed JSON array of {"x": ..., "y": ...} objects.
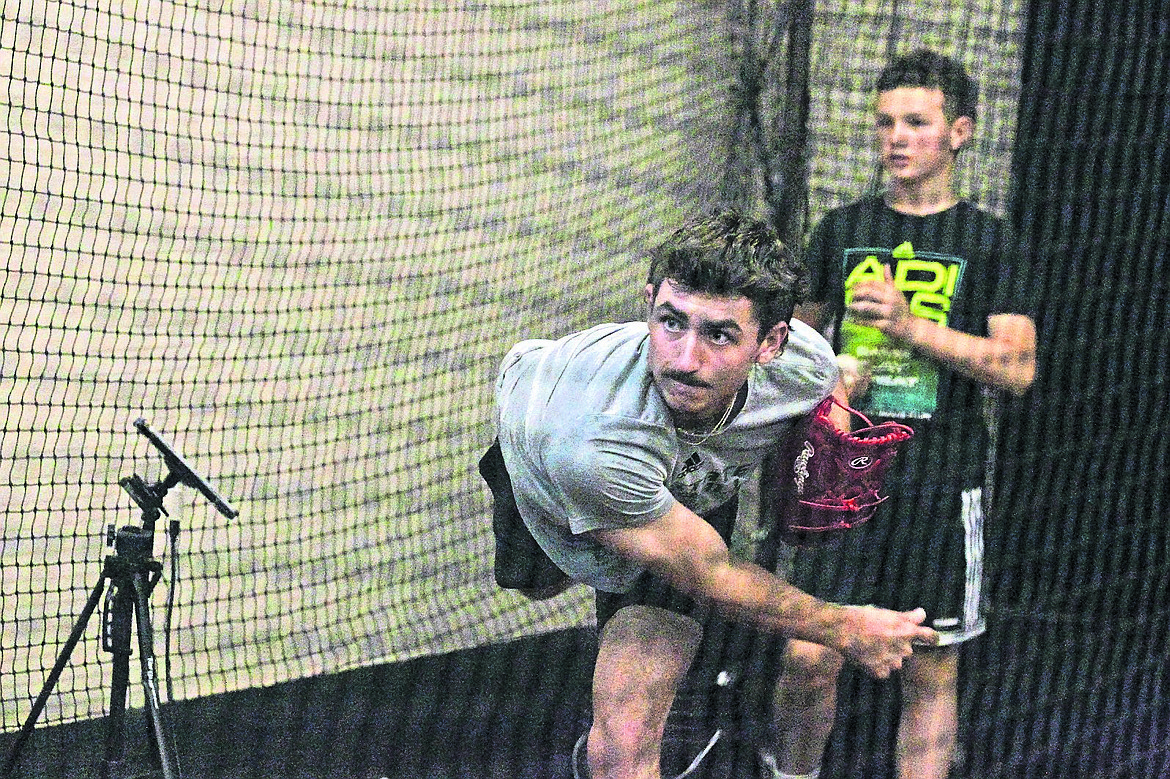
[
  {"x": 670, "y": 323},
  {"x": 722, "y": 338}
]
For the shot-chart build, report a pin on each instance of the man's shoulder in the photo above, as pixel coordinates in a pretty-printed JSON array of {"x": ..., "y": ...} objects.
[
  {"x": 607, "y": 337},
  {"x": 804, "y": 373},
  {"x": 600, "y": 342},
  {"x": 555, "y": 385}
]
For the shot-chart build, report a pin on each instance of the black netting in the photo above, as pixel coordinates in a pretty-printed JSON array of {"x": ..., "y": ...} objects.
[{"x": 297, "y": 238}]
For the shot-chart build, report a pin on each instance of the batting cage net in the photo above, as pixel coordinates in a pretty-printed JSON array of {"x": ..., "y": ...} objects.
[{"x": 296, "y": 238}]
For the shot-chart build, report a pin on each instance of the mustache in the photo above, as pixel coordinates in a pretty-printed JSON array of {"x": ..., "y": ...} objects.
[{"x": 688, "y": 379}]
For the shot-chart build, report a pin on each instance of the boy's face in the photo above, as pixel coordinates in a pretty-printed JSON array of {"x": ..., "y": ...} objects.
[
  {"x": 702, "y": 348},
  {"x": 916, "y": 142}
]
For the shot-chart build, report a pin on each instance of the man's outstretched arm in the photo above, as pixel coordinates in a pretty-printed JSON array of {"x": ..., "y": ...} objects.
[{"x": 686, "y": 551}]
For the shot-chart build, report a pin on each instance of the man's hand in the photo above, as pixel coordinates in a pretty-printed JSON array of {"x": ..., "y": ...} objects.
[
  {"x": 879, "y": 639},
  {"x": 881, "y": 305}
]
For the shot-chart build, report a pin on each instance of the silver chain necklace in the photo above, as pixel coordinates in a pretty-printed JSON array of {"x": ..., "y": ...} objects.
[{"x": 695, "y": 439}]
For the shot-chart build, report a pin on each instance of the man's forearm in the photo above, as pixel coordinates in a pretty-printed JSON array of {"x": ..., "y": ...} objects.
[
  {"x": 877, "y": 639},
  {"x": 687, "y": 552},
  {"x": 771, "y": 603}
]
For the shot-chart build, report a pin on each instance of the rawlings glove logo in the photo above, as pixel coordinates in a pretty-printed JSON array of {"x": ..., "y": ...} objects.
[{"x": 800, "y": 466}]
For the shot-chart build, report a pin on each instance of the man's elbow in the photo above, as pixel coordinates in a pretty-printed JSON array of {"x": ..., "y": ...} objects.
[{"x": 697, "y": 577}]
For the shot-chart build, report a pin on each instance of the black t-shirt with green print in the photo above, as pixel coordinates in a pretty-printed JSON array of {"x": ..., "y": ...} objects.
[{"x": 957, "y": 268}]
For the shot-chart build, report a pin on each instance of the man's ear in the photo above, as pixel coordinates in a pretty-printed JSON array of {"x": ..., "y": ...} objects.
[
  {"x": 962, "y": 129},
  {"x": 649, "y": 295},
  {"x": 773, "y": 344}
]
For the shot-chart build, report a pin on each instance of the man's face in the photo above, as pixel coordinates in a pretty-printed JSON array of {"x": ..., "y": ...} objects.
[
  {"x": 702, "y": 348},
  {"x": 916, "y": 142}
]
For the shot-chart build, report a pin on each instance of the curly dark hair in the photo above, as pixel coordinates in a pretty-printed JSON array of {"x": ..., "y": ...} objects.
[
  {"x": 929, "y": 69},
  {"x": 725, "y": 254}
]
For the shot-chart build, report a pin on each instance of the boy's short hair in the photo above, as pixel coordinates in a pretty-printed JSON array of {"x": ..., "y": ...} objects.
[{"x": 929, "y": 69}]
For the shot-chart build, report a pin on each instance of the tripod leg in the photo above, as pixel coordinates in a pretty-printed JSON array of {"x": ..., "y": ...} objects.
[
  {"x": 150, "y": 677},
  {"x": 116, "y": 640},
  {"x": 54, "y": 675}
]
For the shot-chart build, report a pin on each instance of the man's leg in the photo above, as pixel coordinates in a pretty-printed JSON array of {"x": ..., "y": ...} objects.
[
  {"x": 644, "y": 654},
  {"x": 804, "y": 707},
  {"x": 930, "y": 713}
]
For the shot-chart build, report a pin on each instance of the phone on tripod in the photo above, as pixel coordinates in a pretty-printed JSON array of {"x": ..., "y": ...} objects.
[{"x": 132, "y": 572}]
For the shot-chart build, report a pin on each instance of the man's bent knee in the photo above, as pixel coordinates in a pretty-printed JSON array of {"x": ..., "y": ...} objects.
[
  {"x": 620, "y": 747},
  {"x": 643, "y": 654}
]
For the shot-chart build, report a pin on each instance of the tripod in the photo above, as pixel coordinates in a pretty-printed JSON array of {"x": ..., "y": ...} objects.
[{"x": 132, "y": 573}]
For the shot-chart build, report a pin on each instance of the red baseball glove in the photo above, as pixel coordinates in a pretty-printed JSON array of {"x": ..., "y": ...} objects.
[{"x": 830, "y": 480}]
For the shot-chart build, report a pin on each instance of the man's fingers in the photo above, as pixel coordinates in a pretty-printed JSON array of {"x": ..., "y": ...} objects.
[
  {"x": 917, "y": 616},
  {"x": 923, "y": 636}
]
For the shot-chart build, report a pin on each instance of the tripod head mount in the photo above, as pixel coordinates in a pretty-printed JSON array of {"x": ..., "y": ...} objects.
[{"x": 149, "y": 497}]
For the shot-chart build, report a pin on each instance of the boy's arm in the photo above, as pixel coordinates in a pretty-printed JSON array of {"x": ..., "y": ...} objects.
[{"x": 1005, "y": 359}]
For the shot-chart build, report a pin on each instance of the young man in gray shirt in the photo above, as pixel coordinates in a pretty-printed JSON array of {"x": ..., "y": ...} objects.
[{"x": 619, "y": 440}]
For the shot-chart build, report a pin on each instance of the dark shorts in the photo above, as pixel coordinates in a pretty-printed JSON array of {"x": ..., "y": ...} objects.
[
  {"x": 649, "y": 590},
  {"x": 520, "y": 563},
  {"x": 924, "y": 550}
]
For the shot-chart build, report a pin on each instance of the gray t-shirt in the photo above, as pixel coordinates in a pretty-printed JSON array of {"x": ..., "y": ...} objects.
[{"x": 589, "y": 442}]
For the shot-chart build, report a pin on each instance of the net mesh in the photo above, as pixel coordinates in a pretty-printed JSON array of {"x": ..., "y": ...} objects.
[{"x": 297, "y": 237}]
